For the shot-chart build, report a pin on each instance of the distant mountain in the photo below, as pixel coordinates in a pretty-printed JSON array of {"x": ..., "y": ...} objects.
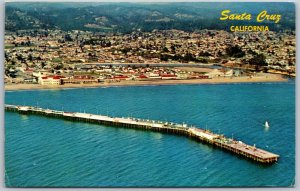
[{"x": 126, "y": 17}]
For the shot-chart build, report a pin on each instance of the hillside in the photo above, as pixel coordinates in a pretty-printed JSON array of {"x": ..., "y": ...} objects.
[{"x": 126, "y": 17}]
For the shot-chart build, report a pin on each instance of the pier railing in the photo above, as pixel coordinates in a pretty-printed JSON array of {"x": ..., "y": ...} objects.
[{"x": 234, "y": 146}]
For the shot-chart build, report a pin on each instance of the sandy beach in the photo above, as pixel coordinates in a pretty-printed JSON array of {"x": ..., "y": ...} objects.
[{"x": 259, "y": 78}]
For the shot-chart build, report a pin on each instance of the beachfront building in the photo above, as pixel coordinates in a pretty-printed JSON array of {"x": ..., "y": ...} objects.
[
  {"x": 121, "y": 77},
  {"x": 214, "y": 73},
  {"x": 50, "y": 80},
  {"x": 217, "y": 73},
  {"x": 182, "y": 76},
  {"x": 80, "y": 80},
  {"x": 228, "y": 73},
  {"x": 154, "y": 76},
  {"x": 168, "y": 77}
]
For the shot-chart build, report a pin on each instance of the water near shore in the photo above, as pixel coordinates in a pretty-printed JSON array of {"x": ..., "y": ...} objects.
[
  {"x": 264, "y": 77},
  {"x": 51, "y": 152}
]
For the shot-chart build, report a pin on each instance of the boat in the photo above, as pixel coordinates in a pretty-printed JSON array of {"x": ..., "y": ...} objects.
[{"x": 267, "y": 124}]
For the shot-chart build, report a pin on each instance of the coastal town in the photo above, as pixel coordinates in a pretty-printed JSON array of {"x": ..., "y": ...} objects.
[
  {"x": 55, "y": 57},
  {"x": 161, "y": 94}
]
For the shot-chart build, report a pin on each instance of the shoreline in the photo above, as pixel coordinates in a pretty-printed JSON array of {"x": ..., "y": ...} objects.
[{"x": 221, "y": 80}]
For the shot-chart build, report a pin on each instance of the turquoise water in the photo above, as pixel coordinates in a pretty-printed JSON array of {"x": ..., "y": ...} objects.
[{"x": 52, "y": 152}]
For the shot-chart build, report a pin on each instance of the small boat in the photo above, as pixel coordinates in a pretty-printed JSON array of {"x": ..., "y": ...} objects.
[{"x": 267, "y": 124}]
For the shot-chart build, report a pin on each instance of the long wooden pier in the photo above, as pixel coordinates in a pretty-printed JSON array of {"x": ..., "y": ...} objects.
[{"x": 234, "y": 146}]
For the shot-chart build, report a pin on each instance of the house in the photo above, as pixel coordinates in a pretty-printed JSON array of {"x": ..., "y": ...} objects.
[{"x": 41, "y": 73}]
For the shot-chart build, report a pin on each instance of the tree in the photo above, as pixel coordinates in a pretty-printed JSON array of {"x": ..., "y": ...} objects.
[
  {"x": 30, "y": 57},
  {"x": 7, "y": 58},
  {"x": 235, "y": 51},
  {"x": 68, "y": 38},
  {"x": 173, "y": 48},
  {"x": 258, "y": 60},
  {"x": 204, "y": 53},
  {"x": 20, "y": 57},
  {"x": 165, "y": 49},
  {"x": 58, "y": 67}
]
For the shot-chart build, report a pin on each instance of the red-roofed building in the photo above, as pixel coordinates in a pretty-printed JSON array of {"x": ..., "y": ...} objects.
[
  {"x": 142, "y": 77},
  {"x": 120, "y": 77},
  {"x": 50, "y": 80},
  {"x": 83, "y": 79}
]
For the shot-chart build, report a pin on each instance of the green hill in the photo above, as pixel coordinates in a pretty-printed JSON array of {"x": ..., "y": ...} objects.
[{"x": 126, "y": 17}]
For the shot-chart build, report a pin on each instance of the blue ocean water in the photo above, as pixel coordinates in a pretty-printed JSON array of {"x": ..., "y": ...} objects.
[{"x": 48, "y": 152}]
